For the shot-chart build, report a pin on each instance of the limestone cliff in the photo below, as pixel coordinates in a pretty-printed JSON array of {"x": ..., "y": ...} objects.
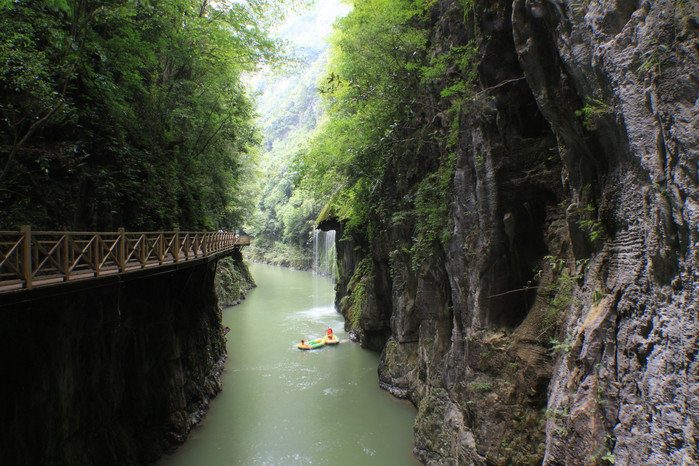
[
  {"x": 629, "y": 382},
  {"x": 112, "y": 375},
  {"x": 558, "y": 321}
]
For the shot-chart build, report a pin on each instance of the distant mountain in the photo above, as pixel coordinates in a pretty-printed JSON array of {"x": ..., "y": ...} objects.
[
  {"x": 287, "y": 103},
  {"x": 289, "y": 110}
]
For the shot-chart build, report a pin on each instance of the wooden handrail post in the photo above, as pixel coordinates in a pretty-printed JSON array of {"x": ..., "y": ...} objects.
[
  {"x": 97, "y": 254},
  {"x": 121, "y": 250},
  {"x": 186, "y": 246},
  {"x": 65, "y": 257},
  {"x": 176, "y": 252},
  {"x": 27, "y": 256},
  {"x": 142, "y": 250}
]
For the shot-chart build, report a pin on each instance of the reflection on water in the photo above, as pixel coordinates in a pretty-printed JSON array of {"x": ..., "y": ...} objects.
[{"x": 283, "y": 406}]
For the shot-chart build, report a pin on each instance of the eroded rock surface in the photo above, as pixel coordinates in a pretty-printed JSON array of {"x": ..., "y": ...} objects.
[
  {"x": 629, "y": 380},
  {"x": 558, "y": 324}
]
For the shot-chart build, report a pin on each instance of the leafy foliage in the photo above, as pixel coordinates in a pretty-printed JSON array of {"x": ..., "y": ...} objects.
[
  {"x": 284, "y": 219},
  {"x": 382, "y": 81},
  {"x": 289, "y": 114},
  {"x": 591, "y": 113},
  {"x": 457, "y": 67},
  {"x": 129, "y": 113},
  {"x": 376, "y": 55}
]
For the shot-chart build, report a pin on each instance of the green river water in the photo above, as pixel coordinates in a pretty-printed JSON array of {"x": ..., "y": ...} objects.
[{"x": 283, "y": 406}]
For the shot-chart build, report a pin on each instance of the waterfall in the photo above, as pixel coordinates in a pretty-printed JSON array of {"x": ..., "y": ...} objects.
[
  {"x": 316, "y": 258},
  {"x": 324, "y": 263}
]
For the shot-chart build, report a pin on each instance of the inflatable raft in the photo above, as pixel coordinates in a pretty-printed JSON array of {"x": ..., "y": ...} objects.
[
  {"x": 312, "y": 344},
  {"x": 331, "y": 339}
]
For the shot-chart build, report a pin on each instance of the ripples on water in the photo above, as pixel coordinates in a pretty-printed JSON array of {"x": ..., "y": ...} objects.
[{"x": 283, "y": 406}]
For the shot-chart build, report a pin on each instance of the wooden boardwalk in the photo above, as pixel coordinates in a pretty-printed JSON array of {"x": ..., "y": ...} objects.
[{"x": 34, "y": 259}]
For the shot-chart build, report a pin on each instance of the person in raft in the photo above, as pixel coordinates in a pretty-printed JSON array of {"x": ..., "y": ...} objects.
[
  {"x": 303, "y": 342},
  {"x": 330, "y": 331}
]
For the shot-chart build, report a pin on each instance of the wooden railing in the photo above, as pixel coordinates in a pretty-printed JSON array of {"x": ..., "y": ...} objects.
[{"x": 33, "y": 258}]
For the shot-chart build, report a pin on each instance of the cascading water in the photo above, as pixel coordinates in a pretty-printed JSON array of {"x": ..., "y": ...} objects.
[
  {"x": 324, "y": 253},
  {"x": 324, "y": 263},
  {"x": 316, "y": 259}
]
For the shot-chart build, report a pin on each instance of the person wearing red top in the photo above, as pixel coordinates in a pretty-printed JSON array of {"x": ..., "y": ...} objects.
[{"x": 330, "y": 331}]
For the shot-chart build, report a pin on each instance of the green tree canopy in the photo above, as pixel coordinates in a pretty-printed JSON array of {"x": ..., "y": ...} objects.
[
  {"x": 370, "y": 92},
  {"x": 129, "y": 112}
]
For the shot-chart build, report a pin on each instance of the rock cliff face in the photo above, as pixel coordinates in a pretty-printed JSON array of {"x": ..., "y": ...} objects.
[
  {"x": 558, "y": 324},
  {"x": 629, "y": 382},
  {"x": 233, "y": 280},
  {"x": 111, "y": 375}
]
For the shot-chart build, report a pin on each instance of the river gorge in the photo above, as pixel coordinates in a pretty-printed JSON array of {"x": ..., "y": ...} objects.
[
  {"x": 280, "y": 405},
  {"x": 513, "y": 190}
]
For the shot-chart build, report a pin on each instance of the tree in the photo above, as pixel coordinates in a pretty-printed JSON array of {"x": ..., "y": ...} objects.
[
  {"x": 129, "y": 112},
  {"x": 370, "y": 91}
]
